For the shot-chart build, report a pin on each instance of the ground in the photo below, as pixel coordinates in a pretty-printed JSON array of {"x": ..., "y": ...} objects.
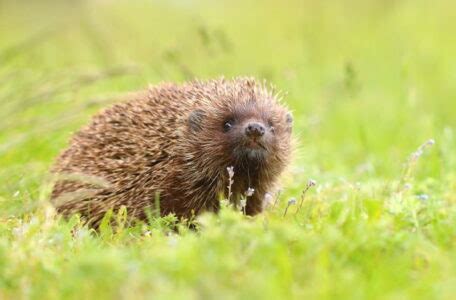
[{"x": 372, "y": 88}]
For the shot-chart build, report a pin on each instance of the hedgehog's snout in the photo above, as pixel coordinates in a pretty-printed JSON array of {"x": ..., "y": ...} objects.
[{"x": 254, "y": 130}]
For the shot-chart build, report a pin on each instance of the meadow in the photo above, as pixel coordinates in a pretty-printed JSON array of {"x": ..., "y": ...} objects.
[{"x": 372, "y": 85}]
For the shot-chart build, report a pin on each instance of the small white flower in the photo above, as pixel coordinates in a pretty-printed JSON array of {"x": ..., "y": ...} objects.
[
  {"x": 230, "y": 171},
  {"x": 249, "y": 192},
  {"x": 292, "y": 201},
  {"x": 417, "y": 153},
  {"x": 423, "y": 197},
  {"x": 311, "y": 182},
  {"x": 268, "y": 198}
]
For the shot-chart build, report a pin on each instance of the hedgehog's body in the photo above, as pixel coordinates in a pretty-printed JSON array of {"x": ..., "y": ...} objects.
[{"x": 176, "y": 142}]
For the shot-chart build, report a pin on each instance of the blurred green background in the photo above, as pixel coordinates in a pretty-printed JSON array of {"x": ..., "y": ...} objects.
[{"x": 368, "y": 82}]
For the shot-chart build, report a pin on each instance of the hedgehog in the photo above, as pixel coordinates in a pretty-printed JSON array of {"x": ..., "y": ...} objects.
[{"x": 175, "y": 143}]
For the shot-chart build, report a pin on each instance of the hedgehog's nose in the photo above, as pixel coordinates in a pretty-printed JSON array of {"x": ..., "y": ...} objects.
[{"x": 254, "y": 130}]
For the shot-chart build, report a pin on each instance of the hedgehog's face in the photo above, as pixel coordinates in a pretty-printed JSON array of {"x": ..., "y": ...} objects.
[
  {"x": 245, "y": 133},
  {"x": 253, "y": 133}
]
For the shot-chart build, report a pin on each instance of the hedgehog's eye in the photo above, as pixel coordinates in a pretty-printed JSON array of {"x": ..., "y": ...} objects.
[{"x": 228, "y": 125}]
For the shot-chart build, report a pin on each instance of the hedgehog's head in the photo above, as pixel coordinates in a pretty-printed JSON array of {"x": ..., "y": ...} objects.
[{"x": 243, "y": 125}]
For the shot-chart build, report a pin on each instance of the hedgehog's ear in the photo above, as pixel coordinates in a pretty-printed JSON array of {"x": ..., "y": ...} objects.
[
  {"x": 289, "y": 118},
  {"x": 195, "y": 119}
]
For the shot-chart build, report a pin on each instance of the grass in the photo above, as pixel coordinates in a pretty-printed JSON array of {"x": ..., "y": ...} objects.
[{"x": 368, "y": 82}]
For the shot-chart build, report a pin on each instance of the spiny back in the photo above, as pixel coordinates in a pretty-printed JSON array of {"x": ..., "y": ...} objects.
[{"x": 173, "y": 140}]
